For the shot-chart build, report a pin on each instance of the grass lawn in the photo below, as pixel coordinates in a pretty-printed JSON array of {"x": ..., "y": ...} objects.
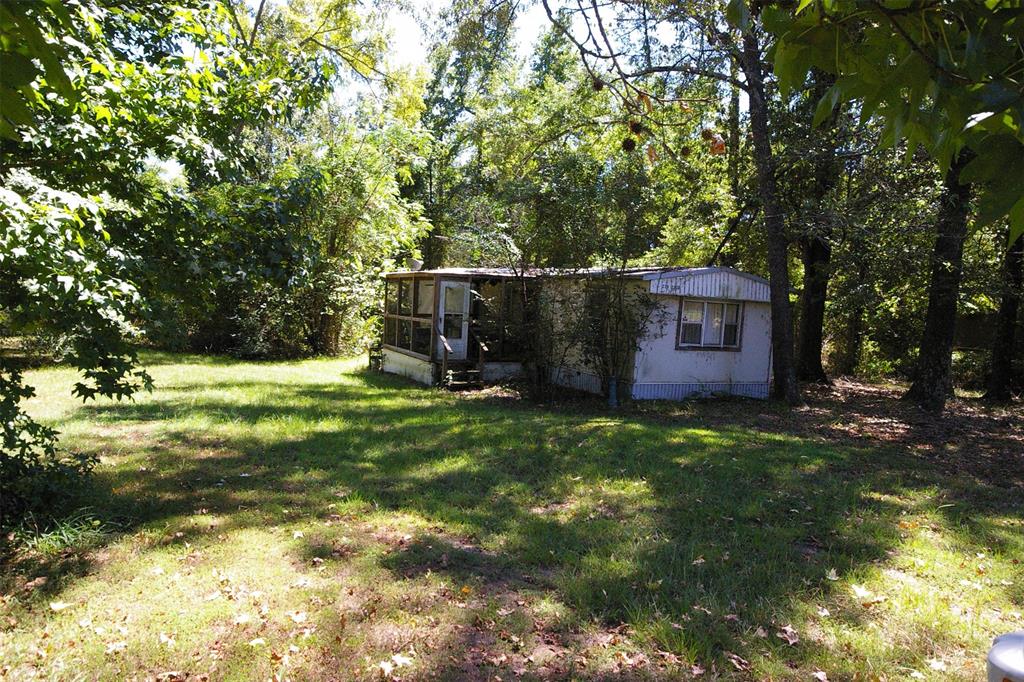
[{"x": 309, "y": 520}]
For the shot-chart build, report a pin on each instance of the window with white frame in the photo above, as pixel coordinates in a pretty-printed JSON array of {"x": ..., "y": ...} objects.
[{"x": 708, "y": 325}]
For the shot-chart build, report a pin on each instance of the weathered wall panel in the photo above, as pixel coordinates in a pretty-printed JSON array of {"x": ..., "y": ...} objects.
[{"x": 407, "y": 366}]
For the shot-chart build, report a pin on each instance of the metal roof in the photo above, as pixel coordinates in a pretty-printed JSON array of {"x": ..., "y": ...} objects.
[{"x": 645, "y": 273}]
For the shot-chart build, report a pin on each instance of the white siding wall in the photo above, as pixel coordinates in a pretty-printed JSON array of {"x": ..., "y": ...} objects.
[
  {"x": 667, "y": 373},
  {"x": 407, "y": 366}
]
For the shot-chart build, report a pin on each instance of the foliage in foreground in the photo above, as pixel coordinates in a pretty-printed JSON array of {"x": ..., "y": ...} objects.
[
  {"x": 305, "y": 518},
  {"x": 153, "y": 190}
]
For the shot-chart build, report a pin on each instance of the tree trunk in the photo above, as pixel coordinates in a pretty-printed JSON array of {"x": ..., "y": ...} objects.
[
  {"x": 817, "y": 259},
  {"x": 817, "y": 245},
  {"x": 785, "y": 385},
  {"x": 1000, "y": 377},
  {"x": 933, "y": 381},
  {"x": 847, "y": 361}
]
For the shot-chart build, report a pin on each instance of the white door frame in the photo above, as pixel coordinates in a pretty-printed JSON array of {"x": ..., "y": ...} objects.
[{"x": 458, "y": 345}]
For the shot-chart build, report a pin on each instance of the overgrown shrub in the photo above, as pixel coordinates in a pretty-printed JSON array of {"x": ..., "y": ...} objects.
[{"x": 34, "y": 476}]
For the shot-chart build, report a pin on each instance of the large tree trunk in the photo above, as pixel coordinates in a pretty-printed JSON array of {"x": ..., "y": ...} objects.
[
  {"x": 817, "y": 260},
  {"x": 817, "y": 246},
  {"x": 785, "y": 385},
  {"x": 933, "y": 381},
  {"x": 1003, "y": 345}
]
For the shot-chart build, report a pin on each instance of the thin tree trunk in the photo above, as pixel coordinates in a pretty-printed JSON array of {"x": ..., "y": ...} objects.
[
  {"x": 1000, "y": 377},
  {"x": 785, "y": 384},
  {"x": 933, "y": 381}
]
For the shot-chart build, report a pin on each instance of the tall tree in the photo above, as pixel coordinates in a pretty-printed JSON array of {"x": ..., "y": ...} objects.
[
  {"x": 704, "y": 49},
  {"x": 944, "y": 75},
  {"x": 933, "y": 380},
  {"x": 1004, "y": 343},
  {"x": 816, "y": 238}
]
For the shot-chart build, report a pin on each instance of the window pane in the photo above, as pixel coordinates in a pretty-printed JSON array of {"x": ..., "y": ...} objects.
[
  {"x": 453, "y": 326},
  {"x": 392, "y": 295},
  {"x": 424, "y": 297},
  {"x": 732, "y": 325},
  {"x": 713, "y": 325},
  {"x": 689, "y": 335},
  {"x": 455, "y": 299},
  {"x": 690, "y": 324},
  {"x": 421, "y": 337},
  {"x": 405, "y": 297},
  {"x": 390, "y": 327}
]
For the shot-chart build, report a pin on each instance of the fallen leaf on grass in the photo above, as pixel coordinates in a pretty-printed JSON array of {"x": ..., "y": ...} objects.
[
  {"x": 297, "y": 616},
  {"x": 761, "y": 632},
  {"x": 737, "y": 662},
  {"x": 241, "y": 619},
  {"x": 297, "y": 534},
  {"x": 166, "y": 640},
  {"x": 259, "y": 641},
  {"x": 832, "y": 575},
  {"x": 865, "y": 597},
  {"x": 820, "y": 676},
  {"x": 699, "y": 560},
  {"x": 59, "y": 605},
  {"x": 397, "y": 661},
  {"x": 823, "y": 612},
  {"x": 697, "y": 670},
  {"x": 936, "y": 664},
  {"x": 788, "y": 634},
  {"x": 401, "y": 659},
  {"x": 172, "y": 676},
  {"x": 116, "y": 647}
]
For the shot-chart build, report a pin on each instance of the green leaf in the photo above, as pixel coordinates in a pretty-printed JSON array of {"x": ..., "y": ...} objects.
[
  {"x": 101, "y": 112},
  {"x": 49, "y": 54},
  {"x": 826, "y": 105},
  {"x": 1016, "y": 221},
  {"x": 16, "y": 70},
  {"x": 13, "y": 108},
  {"x": 738, "y": 14}
]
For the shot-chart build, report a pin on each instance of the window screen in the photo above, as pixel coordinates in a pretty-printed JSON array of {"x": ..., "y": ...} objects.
[
  {"x": 691, "y": 323},
  {"x": 731, "y": 336}
]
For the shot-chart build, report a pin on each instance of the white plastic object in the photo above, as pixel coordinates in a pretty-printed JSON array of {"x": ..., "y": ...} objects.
[{"x": 1006, "y": 658}]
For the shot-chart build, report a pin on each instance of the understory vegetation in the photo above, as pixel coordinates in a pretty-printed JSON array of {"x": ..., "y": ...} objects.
[{"x": 310, "y": 520}]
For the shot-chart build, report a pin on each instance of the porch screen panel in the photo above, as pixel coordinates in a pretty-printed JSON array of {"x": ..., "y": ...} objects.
[
  {"x": 407, "y": 314},
  {"x": 405, "y": 297},
  {"x": 421, "y": 337},
  {"x": 391, "y": 292},
  {"x": 424, "y": 297}
]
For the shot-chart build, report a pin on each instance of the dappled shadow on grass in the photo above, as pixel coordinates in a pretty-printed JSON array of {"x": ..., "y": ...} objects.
[{"x": 691, "y": 534}]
